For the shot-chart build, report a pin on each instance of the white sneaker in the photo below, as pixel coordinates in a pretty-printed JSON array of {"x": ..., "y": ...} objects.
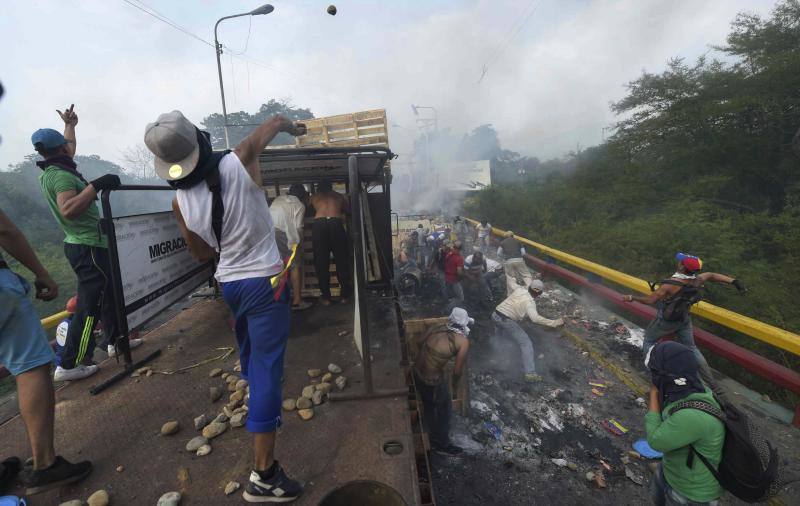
[
  {"x": 132, "y": 343},
  {"x": 77, "y": 373}
]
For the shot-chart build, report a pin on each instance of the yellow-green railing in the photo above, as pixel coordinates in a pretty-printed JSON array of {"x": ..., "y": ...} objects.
[
  {"x": 53, "y": 320},
  {"x": 765, "y": 332}
]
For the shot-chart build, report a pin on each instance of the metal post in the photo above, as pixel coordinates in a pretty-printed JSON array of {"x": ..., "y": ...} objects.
[
  {"x": 357, "y": 233},
  {"x": 218, "y": 49}
]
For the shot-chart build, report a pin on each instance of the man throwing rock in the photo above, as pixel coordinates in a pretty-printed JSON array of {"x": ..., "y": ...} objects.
[
  {"x": 519, "y": 304},
  {"x": 72, "y": 201},
  {"x": 221, "y": 208}
]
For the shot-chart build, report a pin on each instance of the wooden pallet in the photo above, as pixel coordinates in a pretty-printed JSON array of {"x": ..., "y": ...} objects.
[{"x": 365, "y": 128}]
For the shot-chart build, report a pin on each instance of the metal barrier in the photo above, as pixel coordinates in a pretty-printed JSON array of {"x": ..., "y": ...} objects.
[{"x": 770, "y": 334}]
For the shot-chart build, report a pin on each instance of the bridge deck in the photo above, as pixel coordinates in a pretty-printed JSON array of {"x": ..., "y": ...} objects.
[{"x": 120, "y": 427}]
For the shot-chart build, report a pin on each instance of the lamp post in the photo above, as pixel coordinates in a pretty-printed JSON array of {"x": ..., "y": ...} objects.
[
  {"x": 426, "y": 123},
  {"x": 264, "y": 9}
]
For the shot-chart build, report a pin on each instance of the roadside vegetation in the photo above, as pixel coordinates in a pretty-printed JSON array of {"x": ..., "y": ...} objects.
[{"x": 701, "y": 161}]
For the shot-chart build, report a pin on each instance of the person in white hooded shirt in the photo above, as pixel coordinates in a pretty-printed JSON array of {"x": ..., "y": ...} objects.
[{"x": 516, "y": 307}]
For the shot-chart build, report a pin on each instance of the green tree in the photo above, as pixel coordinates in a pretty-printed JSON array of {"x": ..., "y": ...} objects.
[{"x": 241, "y": 123}]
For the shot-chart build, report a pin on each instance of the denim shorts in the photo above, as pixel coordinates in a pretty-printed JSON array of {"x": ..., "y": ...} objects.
[{"x": 23, "y": 344}]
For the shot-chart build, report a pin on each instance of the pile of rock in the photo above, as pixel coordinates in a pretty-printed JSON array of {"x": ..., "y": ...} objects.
[{"x": 317, "y": 391}]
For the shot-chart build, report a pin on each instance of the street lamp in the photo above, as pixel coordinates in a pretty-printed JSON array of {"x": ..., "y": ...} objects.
[
  {"x": 426, "y": 123},
  {"x": 264, "y": 9}
]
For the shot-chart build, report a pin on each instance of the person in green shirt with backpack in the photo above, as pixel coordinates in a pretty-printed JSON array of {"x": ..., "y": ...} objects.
[{"x": 681, "y": 433}]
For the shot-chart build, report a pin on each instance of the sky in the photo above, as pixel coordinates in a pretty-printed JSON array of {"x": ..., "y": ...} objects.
[{"x": 552, "y": 67}]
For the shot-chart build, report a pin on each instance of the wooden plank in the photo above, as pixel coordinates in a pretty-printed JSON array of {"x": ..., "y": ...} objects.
[{"x": 374, "y": 272}]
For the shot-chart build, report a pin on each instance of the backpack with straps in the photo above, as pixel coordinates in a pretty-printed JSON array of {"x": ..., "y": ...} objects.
[
  {"x": 749, "y": 467},
  {"x": 676, "y": 307}
]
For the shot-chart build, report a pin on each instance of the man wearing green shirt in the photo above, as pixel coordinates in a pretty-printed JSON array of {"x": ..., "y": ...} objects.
[
  {"x": 72, "y": 201},
  {"x": 679, "y": 479}
]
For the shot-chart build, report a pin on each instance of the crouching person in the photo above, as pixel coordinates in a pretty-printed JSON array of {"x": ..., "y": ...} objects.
[
  {"x": 221, "y": 209},
  {"x": 436, "y": 348},
  {"x": 678, "y": 433}
]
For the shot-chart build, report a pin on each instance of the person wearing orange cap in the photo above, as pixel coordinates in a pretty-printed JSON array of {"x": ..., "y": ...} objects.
[{"x": 674, "y": 298}]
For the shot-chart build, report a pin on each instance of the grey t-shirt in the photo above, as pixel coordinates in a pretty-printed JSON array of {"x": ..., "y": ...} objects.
[{"x": 511, "y": 248}]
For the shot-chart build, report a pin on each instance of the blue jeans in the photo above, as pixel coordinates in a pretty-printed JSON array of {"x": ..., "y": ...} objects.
[
  {"x": 664, "y": 495},
  {"x": 262, "y": 329},
  {"x": 659, "y": 328},
  {"x": 23, "y": 344}
]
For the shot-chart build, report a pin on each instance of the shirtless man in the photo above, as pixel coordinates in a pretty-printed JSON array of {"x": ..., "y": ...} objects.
[
  {"x": 674, "y": 298},
  {"x": 328, "y": 235},
  {"x": 436, "y": 349}
]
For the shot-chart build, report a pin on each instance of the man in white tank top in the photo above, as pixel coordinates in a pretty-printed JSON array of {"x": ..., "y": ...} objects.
[{"x": 248, "y": 259}]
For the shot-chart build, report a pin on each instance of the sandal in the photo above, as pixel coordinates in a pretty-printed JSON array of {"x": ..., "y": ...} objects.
[{"x": 302, "y": 306}]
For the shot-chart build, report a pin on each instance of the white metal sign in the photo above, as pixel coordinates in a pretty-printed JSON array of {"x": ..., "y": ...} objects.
[{"x": 155, "y": 266}]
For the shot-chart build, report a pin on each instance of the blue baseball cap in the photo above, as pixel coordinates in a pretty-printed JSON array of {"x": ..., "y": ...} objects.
[{"x": 47, "y": 138}]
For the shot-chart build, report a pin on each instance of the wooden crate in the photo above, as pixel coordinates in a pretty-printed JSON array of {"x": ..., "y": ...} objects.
[
  {"x": 415, "y": 330},
  {"x": 365, "y": 128}
]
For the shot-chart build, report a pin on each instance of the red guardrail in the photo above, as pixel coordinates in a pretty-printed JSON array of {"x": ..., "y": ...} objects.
[{"x": 753, "y": 362}]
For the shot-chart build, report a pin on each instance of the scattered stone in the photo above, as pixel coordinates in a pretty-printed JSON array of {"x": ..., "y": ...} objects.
[
  {"x": 640, "y": 401},
  {"x": 149, "y": 373},
  {"x": 313, "y": 373},
  {"x": 625, "y": 460},
  {"x": 224, "y": 376},
  {"x": 232, "y": 387},
  {"x": 170, "y": 428},
  {"x": 765, "y": 398},
  {"x": 120, "y": 469},
  {"x": 227, "y": 411},
  {"x": 214, "y": 393},
  {"x": 237, "y": 368},
  {"x": 238, "y": 362},
  {"x": 232, "y": 379},
  {"x": 241, "y": 409},
  {"x": 308, "y": 392},
  {"x": 203, "y": 450},
  {"x": 237, "y": 396},
  {"x": 634, "y": 454},
  {"x": 559, "y": 462},
  {"x": 317, "y": 398},
  {"x": 327, "y": 377},
  {"x": 634, "y": 477},
  {"x": 335, "y": 369},
  {"x": 241, "y": 384},
  {"x": 585, "y": 353},
  {"x": 238, "y": 420},
  {"x": 342, "y": 333},
  {"x": 169, "y": 499},
  {"x": 215, "y": 372},
  {"x": 221, "y": 418},
  {"x": 231, "y": 487},
  {"x": 324, "y": 387},
  {"x": 74, "y": 502},
  {"x": 289, "y": 404},
  {"x": 99, "y": 498},
  {"x": 341, "y": 382},
  {"x": 214, "y": 429},
  {"x": 195, "y": 443},
  {"x": 590, "y": 476},
  {"x": 572, "y": 465},
  {"x": 653, "y": 467},
  {"x": 200, "y": 422},
  {"x": 306, "y": 414},
  {"x": 303, "y": 403}
]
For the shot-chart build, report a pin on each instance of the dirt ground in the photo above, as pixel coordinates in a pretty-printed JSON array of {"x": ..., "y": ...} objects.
[{"x": 537, "y": 427}]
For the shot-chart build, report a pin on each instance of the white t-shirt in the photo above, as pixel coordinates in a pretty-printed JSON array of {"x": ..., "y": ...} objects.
[
  {"x": 491, "y": 265},
  {"x": 288, "y": 214},
  {"x": 248, "y": 235},
  {"x": 484, "y": 231}
]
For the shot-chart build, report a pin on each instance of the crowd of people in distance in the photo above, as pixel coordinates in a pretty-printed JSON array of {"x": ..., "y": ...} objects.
[{"x": 686, "y": 406}]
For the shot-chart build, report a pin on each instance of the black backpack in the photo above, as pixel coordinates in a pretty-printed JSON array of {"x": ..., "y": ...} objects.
[
  {"x": 749, "y": 465},
  {"x": 676, "y": 307}
]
